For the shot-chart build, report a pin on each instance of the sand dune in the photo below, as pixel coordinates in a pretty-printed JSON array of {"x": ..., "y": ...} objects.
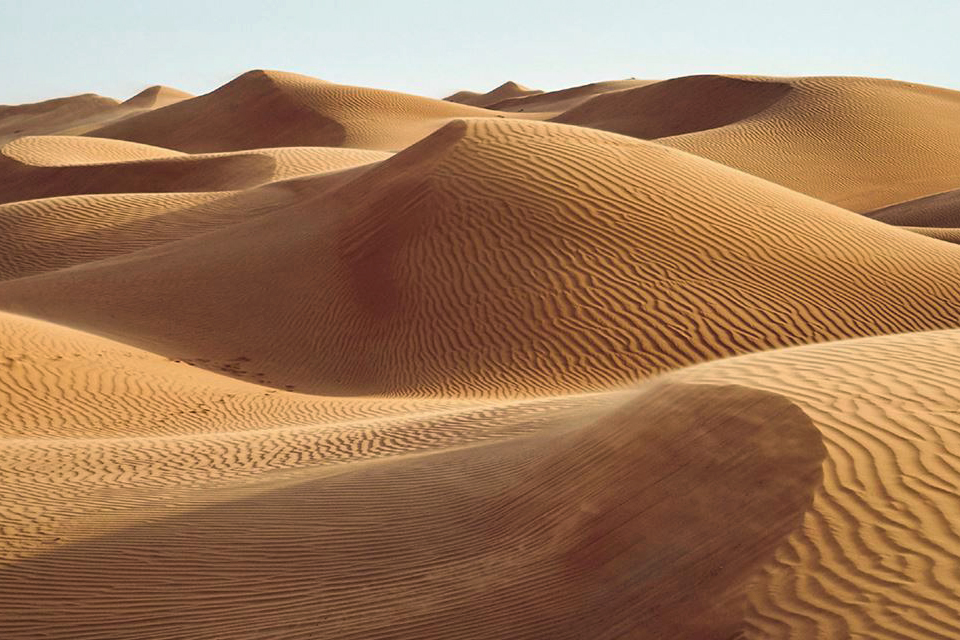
[
  {"x": 673, "y": 107},
  {"x": 680, "y": 363},
  {"x": 455, "y": 544},
  {"x": 507, "y": 91},
  {"x": 505, "y": 257},
  {"x": 155, "y": 97},
  {"x": 833, "y": 138},
  {"x": 938, "y": 210},
  {"x": 878, "y": 555},
  {"x": 51, "y": 116},
  {"x": 564, "y": 99},
  {"x": 275, "y": 109},
  {"x": 48, "y": 166}
]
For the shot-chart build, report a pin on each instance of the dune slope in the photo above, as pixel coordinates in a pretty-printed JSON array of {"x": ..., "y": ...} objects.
[
  {"x": 569, "y": 532},
  {"x": 274, "y": 109},
  {"x": 506, "y": 257},
  {"x": 879, "y": 553},
  {"x": 677, "y": 106},
  {"x": 939, "y": 210},
  {"x": 834, "y": 138}
]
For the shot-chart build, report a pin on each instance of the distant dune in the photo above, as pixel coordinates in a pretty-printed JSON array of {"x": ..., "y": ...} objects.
[
  {"x": 275, "y": 109},
  {"x": 533, "y": 245},
  {"x": 507, "y": 91},
  {"x": 834, "y": 138},
  {"x": 631, "y": 359}
]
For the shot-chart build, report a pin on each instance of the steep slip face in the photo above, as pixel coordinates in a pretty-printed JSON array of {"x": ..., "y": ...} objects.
[
  {"x": 878, "y": 556},
  {"x": 603, "y": 528},
  {"x": 939, "y": 210},
  {"x": 677, "y": 106},
  {"x": 155, "y": 97},
  {"x": 272, "y": 109},
  {"x": 859, "y": 143},
  {"x": 505, "y": 257}
]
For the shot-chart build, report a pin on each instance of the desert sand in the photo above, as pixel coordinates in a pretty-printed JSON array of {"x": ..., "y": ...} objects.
[{"x": 633, "y": 359}]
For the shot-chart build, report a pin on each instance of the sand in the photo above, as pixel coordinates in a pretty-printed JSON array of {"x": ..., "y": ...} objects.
[{"x": 634, "y": 359}]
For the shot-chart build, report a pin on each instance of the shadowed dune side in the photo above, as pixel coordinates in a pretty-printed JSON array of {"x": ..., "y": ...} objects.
[
  {"x": 506, "y": 257},
  {"x": 673, "y": 107},
  {"x": 507, "y": 91},
  {"x": 47, "y": 234},
  {"x": 262, "y": 109},
  {"x": 51, "y": 116},
  {"x": 878, "y": 555},
  {"x": 563, "y": 99},
  {"x": 604, "y": 528},
  {"x": 939, "y": 210},
  {"x": 50, "y": 166},
  {"x": 835, "y": 138}
]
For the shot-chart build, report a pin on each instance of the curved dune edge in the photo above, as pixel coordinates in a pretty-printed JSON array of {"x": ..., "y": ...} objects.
[
  {"x": 833, "y": 138},
  {"x": 877, "y": 555},
  {"x": 504, "y": 258},
  {"x": 52, "y": 166},
  {"x": 951, "y": 234},
  {"x": 939, "y": 210},
  {"x": 261, "y": 109},
  {"x": 677, "y": 106},
  {"x": 596, "y": 527}
]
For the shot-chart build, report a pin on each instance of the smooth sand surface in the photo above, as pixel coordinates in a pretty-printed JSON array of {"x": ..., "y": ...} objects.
[{"x": 634, "y": 359}]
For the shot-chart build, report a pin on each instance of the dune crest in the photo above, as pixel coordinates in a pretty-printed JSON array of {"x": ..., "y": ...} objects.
[
  {"x": 677, "y": 106},
  {"x": 276, "y": 109}
]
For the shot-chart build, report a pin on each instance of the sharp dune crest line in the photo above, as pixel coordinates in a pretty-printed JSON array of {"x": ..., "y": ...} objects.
[{"x": 631, "y": 359}]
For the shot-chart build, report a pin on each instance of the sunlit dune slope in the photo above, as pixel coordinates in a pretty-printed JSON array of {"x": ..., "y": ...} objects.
[
  {"x": 860, "y": 143},
  {"x": 507, "y": 257},
  {"x": 277, "y": 109},
  {"x": 596, "y": 527},
  {"x": 878, "y": 555}
]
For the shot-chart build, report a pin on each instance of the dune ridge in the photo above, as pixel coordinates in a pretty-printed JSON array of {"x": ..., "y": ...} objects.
[
  {"x": 659, "y": 259},
  {"x": 275, "y": 109}
]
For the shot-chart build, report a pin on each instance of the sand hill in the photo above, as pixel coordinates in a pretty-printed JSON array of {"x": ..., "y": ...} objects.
[
  {"x": 634, "y": 359},
  {"x": 877, "y": 554},
  {"x": 275, "y": 109},
  {"x": 507, "y": 91},
  {"x": 534, "y": 245},
  {"x": 833, "y": 138}
]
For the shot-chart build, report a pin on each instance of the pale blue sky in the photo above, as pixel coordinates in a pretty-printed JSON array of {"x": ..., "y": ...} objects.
[{"x": 115, "y": 48}]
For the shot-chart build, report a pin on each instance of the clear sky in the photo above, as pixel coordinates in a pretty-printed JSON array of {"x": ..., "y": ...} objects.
[{"x": 52, "y": 48}]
